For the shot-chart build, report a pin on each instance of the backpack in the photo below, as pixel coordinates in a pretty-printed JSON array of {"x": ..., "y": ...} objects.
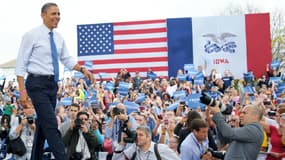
[{"x": 155, "y": 151}]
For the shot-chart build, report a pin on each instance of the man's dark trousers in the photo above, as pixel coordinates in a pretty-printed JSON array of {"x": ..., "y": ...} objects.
[{"x": 43, "y": 92}]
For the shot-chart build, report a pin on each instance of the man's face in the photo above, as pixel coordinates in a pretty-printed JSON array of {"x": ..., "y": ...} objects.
[
  {"x": 73, "y": 112},
  {"x": 29, "y": 112},
  {"x": 142, "y": 138},
  {"x": 202, "y": 134},
  {"x": 245, "y": 116},
  {"x": 51, "y": 17},
  {"x": 84, "y": 119},
  {"x": 140, "y": 120},
  {"x": 173, "y": 143}
]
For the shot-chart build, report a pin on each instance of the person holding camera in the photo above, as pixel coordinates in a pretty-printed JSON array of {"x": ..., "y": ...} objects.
[
  {"x": 143, "y": 148},
  {"x": 25, "y": 128},
  {"x": 79, "y": 140},
  {"x": 119, "y": 120},
  {"x": 195, "y": 145},
  {"x": 276, "y": 135},
  {"x": 244, "y": 142}
]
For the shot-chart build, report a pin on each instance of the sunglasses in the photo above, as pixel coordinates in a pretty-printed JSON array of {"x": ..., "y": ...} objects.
[{"x": 84, "y": 119}]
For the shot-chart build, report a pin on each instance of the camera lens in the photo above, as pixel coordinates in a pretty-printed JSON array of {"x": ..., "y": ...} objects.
[
  {"x": 117, "y": 111},
  {"x": 207, "y": 100},
  {"x": 30, "y": 119}
]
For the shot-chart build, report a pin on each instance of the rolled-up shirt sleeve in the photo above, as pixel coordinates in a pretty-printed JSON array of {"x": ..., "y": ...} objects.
[{"x": 24, "y": 53}]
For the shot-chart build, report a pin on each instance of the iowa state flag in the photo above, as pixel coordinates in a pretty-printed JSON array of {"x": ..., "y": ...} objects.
[{"x": 237, "y": 43}]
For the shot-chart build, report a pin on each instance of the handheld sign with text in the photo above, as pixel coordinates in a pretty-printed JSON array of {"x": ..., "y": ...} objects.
[{"x": 275, "y": 64}]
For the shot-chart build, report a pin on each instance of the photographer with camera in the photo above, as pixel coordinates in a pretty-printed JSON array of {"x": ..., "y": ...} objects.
[
  {"x": 23, "y": 127},
  {"x": 119, "y": 120},
  {"x": 244, "y": 142},
  {"x": 143, "y": 148},
  {"x": 79, "y": 140}
]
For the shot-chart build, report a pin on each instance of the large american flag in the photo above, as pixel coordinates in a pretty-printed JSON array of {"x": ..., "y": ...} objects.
[{"x": 136, "y": 46}]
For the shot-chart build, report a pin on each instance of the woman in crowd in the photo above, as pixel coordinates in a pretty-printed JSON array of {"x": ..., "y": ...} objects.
[{"x": 275, "y": 134}]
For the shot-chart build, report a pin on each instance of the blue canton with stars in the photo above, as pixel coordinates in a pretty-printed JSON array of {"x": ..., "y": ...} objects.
[{"x": 95, "y": 39}]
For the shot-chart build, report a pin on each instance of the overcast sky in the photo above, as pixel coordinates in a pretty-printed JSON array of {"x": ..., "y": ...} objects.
[{"x": 18, "y": 17}]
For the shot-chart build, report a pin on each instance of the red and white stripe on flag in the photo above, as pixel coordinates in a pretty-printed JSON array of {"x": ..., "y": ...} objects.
[{"x": 137, "y": 46}]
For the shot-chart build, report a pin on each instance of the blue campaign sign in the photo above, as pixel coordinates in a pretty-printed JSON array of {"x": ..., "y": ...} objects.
[
  {"x": 140, "y": 98},
  {"x": 188, "y": 67},
  {"x": 280, "y": 88},
  {"x": 192, "y": 72},
  {"x": 181, "y": 77},
  {"x": 66, "y": 101},
  {"x": 151, "y": 75},
  {"x": 179, "y": 94},
  {"x": 131, "y": 106},
  {"x": 212, "y": 94},
  {"x": 193, "y": 101},
  {"x": 248, "y": 76},
  {"x": 199, "y": 75},
  {"x": 172, "y": 106},
  {"x": 109, "y": 86},
  {"x": 199, "y": 81},
  {"x": 114, "y": 103},
  {"x": 123, "y": 88},
  {"x": 275, "y": 64},
  {"x": 275, "y": 79},
  {"x": 124, "y": 85},
  {"x": 78, "y": 75}
]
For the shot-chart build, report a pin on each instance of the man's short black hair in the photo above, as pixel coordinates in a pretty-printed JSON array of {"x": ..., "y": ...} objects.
[
  {"x": 198, "y": 123},
  {"x": 82, "y": 113},
  {"x": 46, "y": 6},
  {"x": 75, "y": 105}
]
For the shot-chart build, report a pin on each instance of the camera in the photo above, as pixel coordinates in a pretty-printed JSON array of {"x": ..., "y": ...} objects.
[
  {"x": 117, "y": 111},
  {"x": 209, "y": 101},
  {"x": 78, "y": 123},
  {"x": 182, "y": 103},
  {"x": 271, "y": 113},
  {"x": 30, "y": 119},
  {"x": 160, "y": 117},
  {"x": 131, "y": 135},
  {"x": 267, "y": 102}
]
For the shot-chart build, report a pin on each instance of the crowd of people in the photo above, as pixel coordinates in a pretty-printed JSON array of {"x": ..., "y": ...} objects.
[{"x": 98, "y": 119}]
